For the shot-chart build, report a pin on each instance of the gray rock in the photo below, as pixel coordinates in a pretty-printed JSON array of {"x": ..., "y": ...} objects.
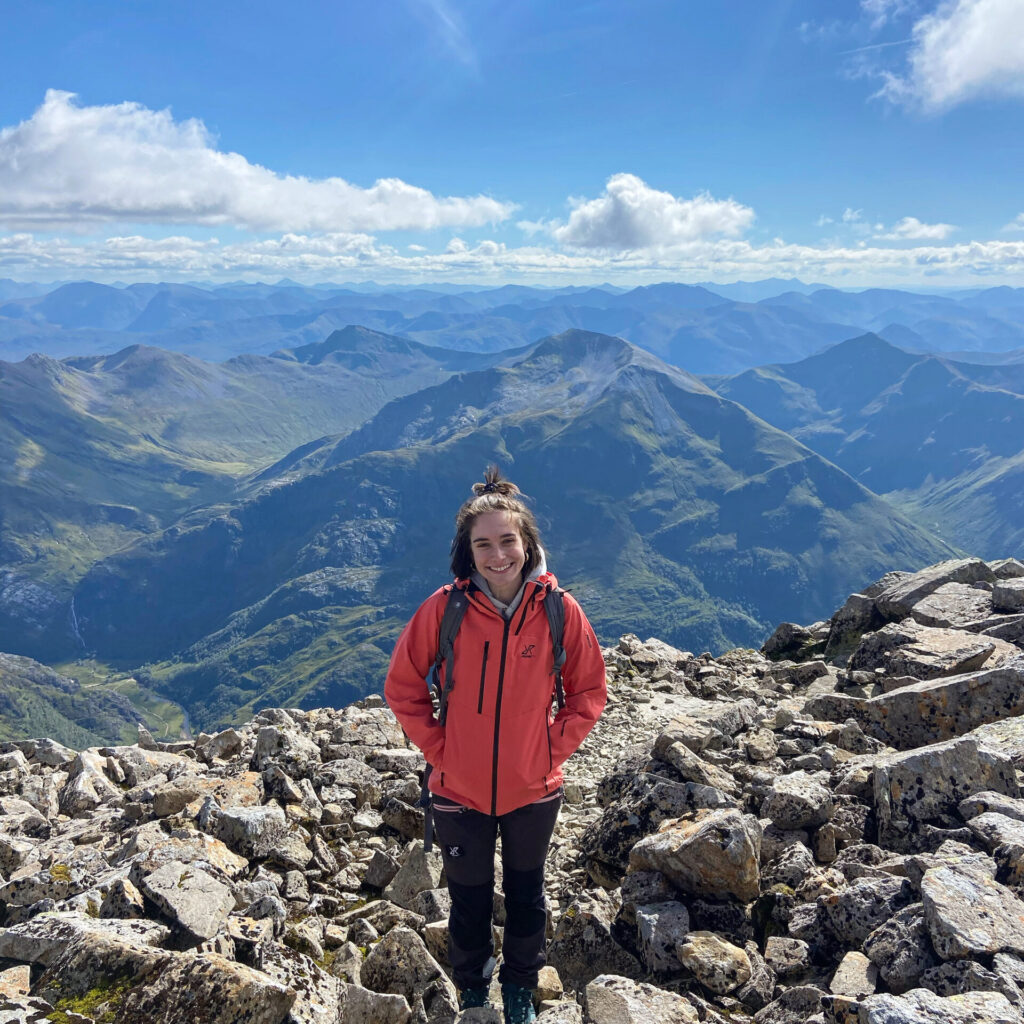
[
  {"x": 994, "y": 830},
  {"x": 797, "y": 801},
  {"x": 1007, "y": 568},
  {"x": 718, "y": 965},
  {"x": 419, "y": 871},
  {"x": 970, "y": 914},
  {"x": 360, "y": 1005},
  {"x": 952, "y": 604},
  {"x": 252, "y": 832},
  {"x": 42, "y": 938},
  {"x": 859, "y": 615},
  {"x": 401, "y": 965},
  {"x": 920, "y": 1006},
  {"x": 583, "y": 947},
  {"x": 788, "y": 958},
  {"x": 925, "y": 785},
  {"x": 660, "y": 928},
  {"x": 190, "y": 897},
  {"x": 1008, "y": 595},
  {"x": 856, "y": 976},
  {"x": 901, "y": 948},
  {"x": 297, "y": 754},
  {"x": 897, "y": 600},
  {"x": 959, "y": 976},
  {"x": 856, "y": 911},
  {"x": 611, "y": 999},
  {"x": 1000, "y": 803},
  {"x": 794, "y": 1006},
  {"x": 122, "y": 900},
  {"x": 714, "y": 852}
]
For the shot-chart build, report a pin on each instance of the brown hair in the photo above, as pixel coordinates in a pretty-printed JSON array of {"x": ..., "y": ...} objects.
[{"x": 494, "y": 495}]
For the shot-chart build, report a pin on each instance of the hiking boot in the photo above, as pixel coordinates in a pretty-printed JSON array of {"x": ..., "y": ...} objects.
[
  {"x": 470, "y": 997},
  {"x": 518, "y": 1004}
]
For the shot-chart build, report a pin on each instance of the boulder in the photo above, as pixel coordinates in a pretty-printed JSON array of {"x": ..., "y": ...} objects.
[
  {"x": 713, "y": 852},
  {"x": 400, "y": 964},
  {"x": 718, "y": 965},
  {"x": 920, "y": 1006},
  {"x": 856, "y": 976},
  {"x": 952, "y": 604},
  {"x": 901, "y": 948},
  {"x": 896, "y": 600},
  {"x": 616, "y": 1000},
  {"x": 969, "y": 914},
  {"x": 41, "y": 939},
  {"x": 660, "y": 928},
  {"x": 191, "y": 898},
  {"x": 797, "y": 801},
  {"x": 1008, "y": 595},
  {"x": 855, "y": 912}
]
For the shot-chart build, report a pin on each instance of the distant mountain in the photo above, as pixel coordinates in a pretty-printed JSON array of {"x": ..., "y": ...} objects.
[
  {"x": 666, "y": 508},
  {"x": 946, "y": 438},
  {"x": 755, "y": 291},
  {"x": 98, "y": 451}
]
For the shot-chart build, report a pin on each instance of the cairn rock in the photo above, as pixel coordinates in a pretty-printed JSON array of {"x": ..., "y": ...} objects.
[{"x": 714, "y": 852}]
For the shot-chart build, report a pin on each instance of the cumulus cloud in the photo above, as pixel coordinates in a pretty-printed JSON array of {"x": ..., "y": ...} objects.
[
  {"x": 913, "y": 229},
  {"x": 964, "y": 50},
  {"x": 1017, "y": 224},
  {"x": 631, "y": 216},
  {"x": 75, "y": 166}
]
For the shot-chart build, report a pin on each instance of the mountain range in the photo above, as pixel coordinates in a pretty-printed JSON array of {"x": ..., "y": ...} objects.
[{"x": 705, "y": 329}]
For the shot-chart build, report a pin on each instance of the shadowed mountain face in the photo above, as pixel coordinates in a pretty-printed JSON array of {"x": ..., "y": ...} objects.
[
  {"x": 945, "y": 437},
  {"x": 97, "y": 451},
  {"x": 667, "y": 509}
]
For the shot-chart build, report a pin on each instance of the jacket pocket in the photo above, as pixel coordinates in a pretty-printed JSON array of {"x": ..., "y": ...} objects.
[{"x": 483, "y": 678}]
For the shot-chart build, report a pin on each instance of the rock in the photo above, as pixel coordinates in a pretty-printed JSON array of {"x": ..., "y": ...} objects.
[
  {"x": 714, "y": 852},
  {"x": 319, "y": 994},
  {"x": 897, "y": 600},
  {"x": 691, "y": 767},
  {"x": 932, "y": 711},
  {"x": 925, "y": 652},
  {"x": 148, "y": 986},
  {"x": 43, "y": 938},
  {"x": 999, "y": 803},
  {"x": 716, "y": 964},
  {"x": 856, "y": 976},
  {"x": 1008, "y": 595},
  {"x": 615, "y": 1000},
  {"x": 583, "y": 946},
  {"x": 381, "y": 869},
  {"x": 901, "y": 948},
  {"x": 401, "y": 965},
  {"x": 859, "y": 615},
  {"x": 794, "y": 1006},
  {"x": 419, "y": 871},
  {"x": 856, "y": 911},
  {"x": 360, "y": 1005},
  {"x": 923, "y": 1007},
  {"x": 788, "y": 958},
  {"x": 549, "y": 984},
  {"x": 252, "y": 832},
  {"x": 122, "y": 900},
  {"x": 970, "y": 914},
  {"x": 297, "y": 754},
  {"x": 760, "y": 745},
  {"x": 660, "y": 928},
  {"x": 797, "y": 801},
  {"x": 925, "y": 785},
  {"x": 87, "y": 786},
  {"x": 788, "y": 641},
  {"x": 190, "y": 897},
  {"x": 952, "y": 604}
]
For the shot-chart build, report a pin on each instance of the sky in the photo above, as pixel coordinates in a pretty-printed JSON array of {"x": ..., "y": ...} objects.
[{"x": 851, "y": 142}]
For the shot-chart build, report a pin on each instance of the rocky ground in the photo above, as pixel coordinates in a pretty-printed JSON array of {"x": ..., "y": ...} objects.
[{"x": 829, "y": 830}]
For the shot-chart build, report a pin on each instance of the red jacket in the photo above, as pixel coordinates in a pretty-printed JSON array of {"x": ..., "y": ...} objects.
[{"x": 501, "y": 748}]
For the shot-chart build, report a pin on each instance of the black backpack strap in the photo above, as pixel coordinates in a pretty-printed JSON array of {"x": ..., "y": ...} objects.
[
  {"x": 454, "y": 611},
  {"x": 554, "y": 605}
]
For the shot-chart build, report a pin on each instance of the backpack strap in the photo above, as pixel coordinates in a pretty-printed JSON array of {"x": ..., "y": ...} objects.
[
  {"x": 554, "y": 605},
  {"x": 454, "y": 610}
]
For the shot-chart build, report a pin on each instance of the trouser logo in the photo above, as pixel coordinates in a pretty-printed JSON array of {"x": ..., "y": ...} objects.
[{"x": 454, "y": 851}]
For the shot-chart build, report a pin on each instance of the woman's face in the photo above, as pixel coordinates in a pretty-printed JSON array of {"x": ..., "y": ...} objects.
[{"x": 498, "y": 553}]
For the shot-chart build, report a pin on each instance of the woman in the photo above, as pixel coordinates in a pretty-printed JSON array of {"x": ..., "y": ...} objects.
[{"x": 497, "y": 758}]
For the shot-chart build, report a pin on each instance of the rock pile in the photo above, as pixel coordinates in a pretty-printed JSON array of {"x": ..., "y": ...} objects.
[{"x": 828, "y": 830}]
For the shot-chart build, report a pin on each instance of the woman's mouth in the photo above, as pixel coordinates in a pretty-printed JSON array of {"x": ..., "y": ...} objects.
[{"x": 500, "y": 568}]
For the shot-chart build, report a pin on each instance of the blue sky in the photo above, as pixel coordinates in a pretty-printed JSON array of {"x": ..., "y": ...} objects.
[{"x": 859, "y": 142}]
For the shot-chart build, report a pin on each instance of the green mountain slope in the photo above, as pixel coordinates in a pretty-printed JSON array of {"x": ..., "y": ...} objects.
[
  {"x": 943, "y": 439},
  {"x": 667, "y": 509}
]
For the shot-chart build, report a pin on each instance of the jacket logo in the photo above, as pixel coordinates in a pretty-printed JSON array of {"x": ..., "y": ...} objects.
[
  {"x": 528, "y": 650},
  {"x": 454, "y": 851}
]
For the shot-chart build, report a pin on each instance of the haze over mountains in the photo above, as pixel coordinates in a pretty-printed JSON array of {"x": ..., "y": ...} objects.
[
  {"x": 258, "y": 529},
  {"x": 699, "y": 328}
]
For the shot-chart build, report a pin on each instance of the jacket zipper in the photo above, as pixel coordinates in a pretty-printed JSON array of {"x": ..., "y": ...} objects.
[
  {"x": 483, "y": 675},
  {"x": 497, "y": 719},
  {"x": 547, "y": 732}
]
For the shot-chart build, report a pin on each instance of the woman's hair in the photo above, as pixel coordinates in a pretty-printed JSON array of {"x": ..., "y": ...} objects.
[{"x": 494, "y": 495}]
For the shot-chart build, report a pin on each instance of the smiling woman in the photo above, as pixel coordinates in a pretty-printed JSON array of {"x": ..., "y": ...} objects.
[{"x": 495, "y": 747}]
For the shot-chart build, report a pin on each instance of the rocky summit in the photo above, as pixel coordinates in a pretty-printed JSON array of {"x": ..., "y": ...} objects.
[{"x": 830, "y": 829}]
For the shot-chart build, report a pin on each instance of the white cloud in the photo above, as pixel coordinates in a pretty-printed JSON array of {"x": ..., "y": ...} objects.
[
  {"x": 359, "y": 257},
  {"x": 964, "y": 50},
  {"x": 851, "y": 216},
  {"x": 72, "y": 166},
  {"x": 823, "y": 220},
  {"x": 633, "y": 216},
  {"x": 1017, "y": 224},
  {"x": 913, "y": 229},
  {"x": 881, "y": 11}
]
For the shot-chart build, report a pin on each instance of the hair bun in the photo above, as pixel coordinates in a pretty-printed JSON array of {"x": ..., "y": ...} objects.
[{"x": 494, "y": 484}]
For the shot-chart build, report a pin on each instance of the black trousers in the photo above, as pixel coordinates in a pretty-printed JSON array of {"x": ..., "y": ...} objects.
[{"x": 467, "y": 840}]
